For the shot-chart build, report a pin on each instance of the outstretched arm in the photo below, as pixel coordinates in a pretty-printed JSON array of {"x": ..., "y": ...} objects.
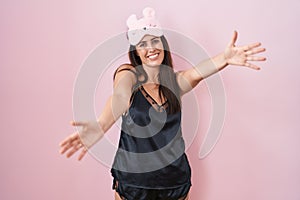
[
  {"x": 232, "y": 55},
  {"x": 93, "y": 131}
]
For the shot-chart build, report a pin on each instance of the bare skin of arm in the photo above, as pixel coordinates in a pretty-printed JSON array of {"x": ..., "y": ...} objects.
[
  {"x": 92, "y": 131},
  {"x": 232, "y": 55}
]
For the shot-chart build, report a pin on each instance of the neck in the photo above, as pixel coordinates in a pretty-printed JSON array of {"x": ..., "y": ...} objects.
[{"x": 152, "y": 73}]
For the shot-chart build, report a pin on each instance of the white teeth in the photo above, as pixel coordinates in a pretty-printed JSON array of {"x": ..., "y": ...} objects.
[{"x": 153, "y": 56}]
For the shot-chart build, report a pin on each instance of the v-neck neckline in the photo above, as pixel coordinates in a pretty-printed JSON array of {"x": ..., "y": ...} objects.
[{"x": 151, "y": 100}]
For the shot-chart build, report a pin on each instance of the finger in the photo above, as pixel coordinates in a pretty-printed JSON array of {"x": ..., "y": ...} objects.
[
  {"x": 251, "y": 46},
  {"x": 75, "y": 144},
  {"x": 255, "y": 51},
  {"x": 255, "y": 58},
  {"x": 69, "y": 145},
  {"x": 72, "y": 142},
  {"x": 72, "y": 151},
  {"x": 65, "y": 148},
  {"x": 233, "y": 39},
  {"x": 82, "y": 154},
  {"x": 73, "y": 123},
  {"x": 69, "y": 139},
  {"x": 250, "y": 65}
]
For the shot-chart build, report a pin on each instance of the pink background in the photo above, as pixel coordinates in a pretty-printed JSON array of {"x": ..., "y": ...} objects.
[{"x": 43, "y": 44}]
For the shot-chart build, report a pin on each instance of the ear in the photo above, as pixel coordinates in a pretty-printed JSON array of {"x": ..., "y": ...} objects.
[
  {"x": 131, "y": 21},
  {"x": 149, "y": 12}
]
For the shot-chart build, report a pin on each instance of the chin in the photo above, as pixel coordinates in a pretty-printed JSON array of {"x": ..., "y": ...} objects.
[{"x": 153, "y": 64}]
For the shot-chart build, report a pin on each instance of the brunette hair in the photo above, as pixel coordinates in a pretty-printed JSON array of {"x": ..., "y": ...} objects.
[{"x": 167, "y": 78}]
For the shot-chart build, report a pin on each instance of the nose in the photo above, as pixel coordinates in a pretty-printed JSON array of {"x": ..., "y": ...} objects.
[
  {"x": 150, "y": 50},
  {"x": 150, "y": 46}
]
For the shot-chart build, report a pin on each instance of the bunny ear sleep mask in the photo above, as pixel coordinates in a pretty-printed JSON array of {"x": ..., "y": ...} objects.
[{"x": 138, "y": 28}]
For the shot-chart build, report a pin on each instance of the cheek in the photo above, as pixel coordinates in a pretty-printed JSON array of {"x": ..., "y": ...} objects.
[
  {"x": 160, "y": 47},
  {"x": 162, "y": 54},
  {"x": 140, "y": 52}
]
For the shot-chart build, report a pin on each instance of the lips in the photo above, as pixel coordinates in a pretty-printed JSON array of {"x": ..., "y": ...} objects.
[{"x": 153, "y": 56}]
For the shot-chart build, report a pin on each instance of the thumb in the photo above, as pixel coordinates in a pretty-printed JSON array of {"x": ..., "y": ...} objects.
[{"x": 233, "y": 39}]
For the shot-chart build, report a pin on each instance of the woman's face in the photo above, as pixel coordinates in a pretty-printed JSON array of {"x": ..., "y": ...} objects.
[{"x": 150, "y": 50}]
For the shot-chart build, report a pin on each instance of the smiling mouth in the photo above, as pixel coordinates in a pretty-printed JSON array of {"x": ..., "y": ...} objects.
[{"x": 153, "y": 56}]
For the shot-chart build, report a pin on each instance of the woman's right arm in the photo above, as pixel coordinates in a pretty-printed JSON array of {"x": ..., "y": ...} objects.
[
  {"x": 116, "y": 105},
  {"x": 119, "y": 101}
]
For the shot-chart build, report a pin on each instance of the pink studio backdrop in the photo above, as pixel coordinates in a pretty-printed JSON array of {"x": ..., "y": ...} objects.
[{"x": 43, "y": 44}]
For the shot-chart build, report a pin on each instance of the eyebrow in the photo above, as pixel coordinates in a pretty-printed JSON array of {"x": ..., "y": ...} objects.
[{"x": 143, "y": 41}]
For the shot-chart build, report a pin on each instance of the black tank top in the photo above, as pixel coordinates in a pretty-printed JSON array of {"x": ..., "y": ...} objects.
[{"x": 151, "y": 148}]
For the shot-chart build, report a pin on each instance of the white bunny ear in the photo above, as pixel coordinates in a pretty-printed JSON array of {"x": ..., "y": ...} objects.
[
  {"x": 149, "y": 12},
  {"x": 131, "y": 21}
]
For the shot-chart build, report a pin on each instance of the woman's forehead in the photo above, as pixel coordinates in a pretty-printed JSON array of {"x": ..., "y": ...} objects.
[{"x": 148, "y": 38}]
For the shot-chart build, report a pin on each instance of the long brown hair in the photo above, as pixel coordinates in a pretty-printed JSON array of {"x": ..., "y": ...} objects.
[{"x": 168, "y": 87}]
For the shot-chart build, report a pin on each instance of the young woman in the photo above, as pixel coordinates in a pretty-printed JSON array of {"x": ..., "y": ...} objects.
[{"x": 150, "y": 163}]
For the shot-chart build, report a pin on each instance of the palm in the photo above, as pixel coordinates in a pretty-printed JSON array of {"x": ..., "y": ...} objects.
[
  {"x": 241, "y": 55},
  {"x": 90, "y": 133},
  {"x": 84, "y": 139}
]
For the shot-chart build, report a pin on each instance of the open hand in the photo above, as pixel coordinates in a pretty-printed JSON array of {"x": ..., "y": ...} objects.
[
  {"x": 241, "y": 55},
  {"x": 90, "y": 133}
]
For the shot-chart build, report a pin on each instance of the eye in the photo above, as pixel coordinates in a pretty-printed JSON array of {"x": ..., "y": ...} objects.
[
  {"x": 155, "y": 41},
  {"x": 141, "y": 45}
]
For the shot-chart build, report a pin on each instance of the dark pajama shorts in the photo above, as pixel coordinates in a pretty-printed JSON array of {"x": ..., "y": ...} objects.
[{"x": 127, "y": 192}]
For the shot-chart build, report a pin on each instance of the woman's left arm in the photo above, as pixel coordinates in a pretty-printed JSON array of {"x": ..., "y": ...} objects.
[{"x": 232, "y": 55}]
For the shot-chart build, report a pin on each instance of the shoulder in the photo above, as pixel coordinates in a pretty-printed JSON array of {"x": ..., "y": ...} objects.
[
  {"x": 183, "y": 83},
  {"x": 124, "y": 68},
  {"x": 125, "y": 72},
  {"x": 179, "y": 76}
]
